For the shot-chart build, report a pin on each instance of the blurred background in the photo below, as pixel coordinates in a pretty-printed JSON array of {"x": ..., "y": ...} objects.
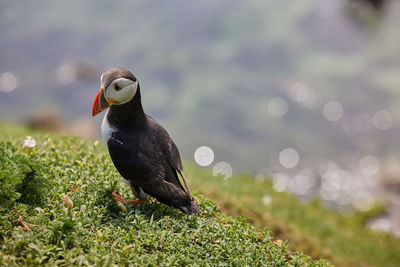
[{"x": 305, "y": 93}]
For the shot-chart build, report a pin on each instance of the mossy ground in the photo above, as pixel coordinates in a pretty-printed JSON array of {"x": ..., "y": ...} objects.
[
  {"x": 97, "y": 232},
  {"x": 309, "y": 227}
]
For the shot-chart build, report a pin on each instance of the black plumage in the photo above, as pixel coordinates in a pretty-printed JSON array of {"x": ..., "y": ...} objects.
[{"x": 144, "y": 153}]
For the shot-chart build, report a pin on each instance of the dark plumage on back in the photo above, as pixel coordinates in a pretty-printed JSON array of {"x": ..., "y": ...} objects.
[{"x": 141, "y": 149}]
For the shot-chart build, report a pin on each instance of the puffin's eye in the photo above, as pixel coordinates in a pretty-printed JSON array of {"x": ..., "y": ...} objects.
[{"x": 117, "y": 87}]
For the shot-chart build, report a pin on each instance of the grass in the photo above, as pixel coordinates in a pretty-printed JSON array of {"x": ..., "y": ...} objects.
[
  {"x": 311, "y": 228},
  {"x": 71, "y": 219}
]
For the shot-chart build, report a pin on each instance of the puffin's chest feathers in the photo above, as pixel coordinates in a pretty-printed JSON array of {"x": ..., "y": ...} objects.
[
  {"x": 106, "y": 130},
  {"x": 133, "y": 138}
]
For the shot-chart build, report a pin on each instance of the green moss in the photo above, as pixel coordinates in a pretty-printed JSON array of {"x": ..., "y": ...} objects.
[
  {"x": 21, "y": 179},
  {"x": 97, "y": 232}
]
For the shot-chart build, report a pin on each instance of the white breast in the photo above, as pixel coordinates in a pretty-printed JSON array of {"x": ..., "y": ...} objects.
[{"x": 106, "y": 129}]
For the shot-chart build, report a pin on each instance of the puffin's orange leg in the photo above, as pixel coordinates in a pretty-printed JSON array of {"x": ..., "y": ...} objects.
[
  {"x": 119, "y": 198},
  {"x": 136, "y": 201}
]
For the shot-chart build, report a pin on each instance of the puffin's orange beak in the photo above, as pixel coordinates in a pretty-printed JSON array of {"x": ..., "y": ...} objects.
[{"x": 100, "y": 103}]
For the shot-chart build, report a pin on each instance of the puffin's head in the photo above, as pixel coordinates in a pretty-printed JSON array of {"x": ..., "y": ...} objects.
[{"x": 118, "y": 86}]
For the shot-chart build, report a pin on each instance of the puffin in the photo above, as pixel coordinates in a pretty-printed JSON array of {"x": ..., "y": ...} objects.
[{"x": 140, "y": 148}]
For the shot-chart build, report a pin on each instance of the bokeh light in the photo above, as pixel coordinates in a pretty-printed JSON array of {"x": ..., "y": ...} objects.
[
  {"x": 331, "y": 181},
  {"x": 382, "y": 120},
  {"x": 328, "y": 195},
  {"x": 327, "y": 166},
  {"x": 277, "y": 106},
  {"x": 204, "y": 156},
  {"x": 303, "y": 181},
  {"x": 333, "y": 111},
  {"x": 223, "y": 168},
  {"x": 369, "y": 165},
  {"x": 266, "y": 200},
  {"x": 303, "y": 94},
  {"x": 289, "y": 158},
  {"x": 280, "y": 181},
  {"x": 8, "y": 82},
  {"x": 381, "y": 224}
]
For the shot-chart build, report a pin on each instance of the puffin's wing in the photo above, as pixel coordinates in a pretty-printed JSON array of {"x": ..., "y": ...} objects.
[
  {"x": 133, "y": 166},
  {"x": 157, "y": 178},
  {"x": 174, "y": 159},
  {"x": 176, "y": 164}
]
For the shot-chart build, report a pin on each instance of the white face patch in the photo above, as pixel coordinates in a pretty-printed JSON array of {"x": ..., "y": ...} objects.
[{"x": 122, "y": 90}]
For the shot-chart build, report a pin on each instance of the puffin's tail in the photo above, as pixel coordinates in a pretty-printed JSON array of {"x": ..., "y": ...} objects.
[
  {"x": 187, "y": 207},
  {"x": 187, "y": 204}
]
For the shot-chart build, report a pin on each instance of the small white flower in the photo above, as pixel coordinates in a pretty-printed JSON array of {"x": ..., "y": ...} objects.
[{"x": 29, "y": 143}]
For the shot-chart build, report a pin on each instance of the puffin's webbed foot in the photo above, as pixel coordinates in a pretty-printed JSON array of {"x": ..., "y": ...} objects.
[{"x": 119, "y": 198}]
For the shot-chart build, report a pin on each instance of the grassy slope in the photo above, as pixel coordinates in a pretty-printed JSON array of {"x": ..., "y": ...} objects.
[
  {"x": 97, "y": 232},
  {"x": 311, "y": 228}
]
